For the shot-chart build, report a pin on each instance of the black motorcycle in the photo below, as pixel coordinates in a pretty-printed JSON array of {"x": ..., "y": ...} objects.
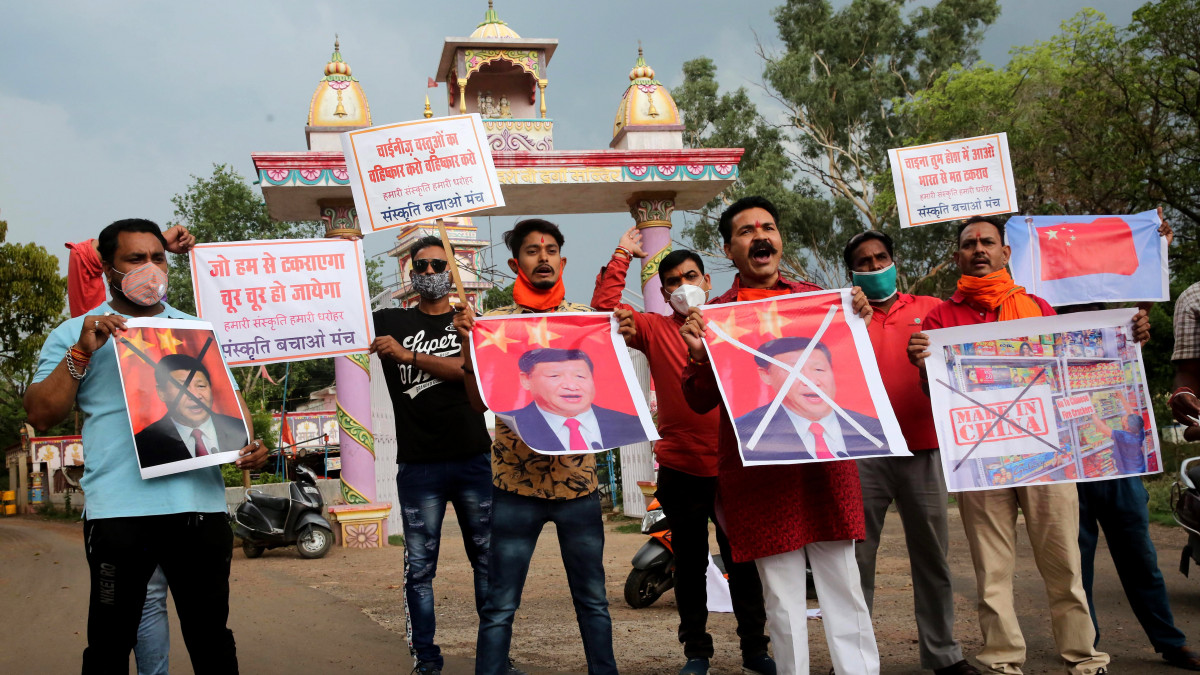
[
  {"x": 266, "y": 522},
  {"x": 1185, "y": 506}
]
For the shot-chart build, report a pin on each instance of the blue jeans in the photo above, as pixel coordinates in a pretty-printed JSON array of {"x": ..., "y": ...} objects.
[
  {"x": 518, "y": 521},
  {"x": 1119, "y": 506},
  {"x": 153, "y": 648},
  {"x": 424, "y": 489}
]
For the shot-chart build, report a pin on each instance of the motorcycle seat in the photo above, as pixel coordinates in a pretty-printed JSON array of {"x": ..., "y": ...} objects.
[{"x": 267, "y": 502}]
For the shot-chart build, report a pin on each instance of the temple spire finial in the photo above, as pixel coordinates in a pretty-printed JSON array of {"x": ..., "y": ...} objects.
[{"x": 428, "y": 109}]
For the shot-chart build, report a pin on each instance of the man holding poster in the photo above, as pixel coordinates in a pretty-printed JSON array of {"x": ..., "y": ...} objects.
[
  {"x": 135, "y": 525},
  {"x": 531, "y": 489},
  {"x": 782, "y": 516},
  {"x": 914, "y": 484},
  {"x": 987, "y": 293}
]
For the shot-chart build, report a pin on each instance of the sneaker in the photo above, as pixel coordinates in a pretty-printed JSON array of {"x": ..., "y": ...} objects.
[
  {"x": 760, "y": 664},
  {"x": 1182, "y": 657},
  {"x": 426, "y": 668},
  {"x": 512, "y": 669},
  {"x": 961, "y": 668},
  {"x": 695, "y": 667}
]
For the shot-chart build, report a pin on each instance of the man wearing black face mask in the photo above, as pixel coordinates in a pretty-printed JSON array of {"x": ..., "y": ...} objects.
[{"x": 442, "y": 443}]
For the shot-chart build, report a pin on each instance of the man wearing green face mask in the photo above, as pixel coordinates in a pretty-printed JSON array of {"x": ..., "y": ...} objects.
[{"x": 914, "y": 483}]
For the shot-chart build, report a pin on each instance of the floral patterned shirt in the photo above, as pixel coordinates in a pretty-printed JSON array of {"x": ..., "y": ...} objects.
[{"x": 519, "y": 469}]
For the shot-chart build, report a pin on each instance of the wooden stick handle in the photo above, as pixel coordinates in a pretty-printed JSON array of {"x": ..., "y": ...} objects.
[
  {"x": 246, "y": 478},
  {"x": 462, "y": 294}
]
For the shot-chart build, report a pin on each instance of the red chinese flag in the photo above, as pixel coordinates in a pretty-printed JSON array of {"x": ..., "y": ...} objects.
[{"x": 1103, "y": 246}]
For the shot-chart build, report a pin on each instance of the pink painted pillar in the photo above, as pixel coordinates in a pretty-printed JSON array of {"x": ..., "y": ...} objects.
[
  {"x": 652, "y": 214},
  {"x": 353, "y": 376}
]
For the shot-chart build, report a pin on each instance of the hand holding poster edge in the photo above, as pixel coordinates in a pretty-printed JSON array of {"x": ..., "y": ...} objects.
[
  {"x": 619, "y": 348},
  {"x": 942, "y": 338},
  {"x": 896, "y": 442}
]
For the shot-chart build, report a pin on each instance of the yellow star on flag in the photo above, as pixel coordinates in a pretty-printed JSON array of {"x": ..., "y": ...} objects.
[
  {"x": 541, "y": 335},
  {"x": 497, "y": 339},
  {"x": 168, "y": 343},
  {"x": 771, "y": 322},
  {"x": 135, "y": 339},
  {"x": 1052, "y": 234},
  {"x": 731, "y": 329}
]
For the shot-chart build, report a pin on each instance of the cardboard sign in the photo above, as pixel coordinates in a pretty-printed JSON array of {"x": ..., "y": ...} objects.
[
  {"x": 284, "y": 300},
  {"x": 563, "y": 382},
  {"x": 953, "y": 180},
  {"x": 1075, "y": 407},
  {"x": 418, "y": 171},
  {"x": 799, "y": 378}
]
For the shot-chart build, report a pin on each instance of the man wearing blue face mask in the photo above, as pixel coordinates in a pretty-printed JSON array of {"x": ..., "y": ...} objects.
[{"x": 914, "y": 483}]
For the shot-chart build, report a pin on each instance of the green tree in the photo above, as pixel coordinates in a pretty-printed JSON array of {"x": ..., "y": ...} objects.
[
  {"x": 32, "y": 298},
  {"x": 839, "y": 80},
  {"x": 497, "y": 297}
]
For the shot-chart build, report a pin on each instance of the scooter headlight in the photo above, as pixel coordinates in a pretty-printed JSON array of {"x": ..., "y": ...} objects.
[{"x": 651, "y": 519}]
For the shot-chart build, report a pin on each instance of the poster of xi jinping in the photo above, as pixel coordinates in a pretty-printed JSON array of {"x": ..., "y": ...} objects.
[
  {"x": 183, "y": 408},
  {"x": 562, "y": 382},
  {"x": 1041, "y": 400},
  {"x": 800, "y": 381}
]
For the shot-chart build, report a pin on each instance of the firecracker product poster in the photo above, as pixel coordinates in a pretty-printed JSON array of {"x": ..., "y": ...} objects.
[
  {"x": 183, "y": 408},
  {"x": 1041, "y": 400},
  {"x": 562, "y": 382},
  {"x": 799, "y": 378}
]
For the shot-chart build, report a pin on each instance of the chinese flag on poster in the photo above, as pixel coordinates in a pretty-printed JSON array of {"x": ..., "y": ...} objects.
[
  {"x": 832, "y": 407},
  {"x": 563, "y": 382},
  {"x": 1102, "y": 246}
]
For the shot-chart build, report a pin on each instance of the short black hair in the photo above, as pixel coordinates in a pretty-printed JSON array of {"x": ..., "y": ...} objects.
[
  {"x": 106, "y": 243},
  {"x": 172, "y": 362},
  {"x": 430, "y": 241},
  {"x": 725, "y": 225},
  {"x": 675, "y": 259},
  {"x": 994, "y": 222},
  {"x": 551, "y": 355},
  {"x": 516, "y": 236},
  {"x": 860, "y": 239},
  {"x": 784, "y": 345}
]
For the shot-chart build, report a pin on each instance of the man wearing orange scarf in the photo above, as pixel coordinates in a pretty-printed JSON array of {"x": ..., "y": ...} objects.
[
  {"x": 531, "y": 489},
  {"x": 986, "y": 293}
]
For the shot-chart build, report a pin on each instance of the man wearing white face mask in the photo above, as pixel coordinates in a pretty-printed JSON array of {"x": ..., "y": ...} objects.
[
  {"x": 687, "y": 457},
  {"x": 914, "y": 483}
]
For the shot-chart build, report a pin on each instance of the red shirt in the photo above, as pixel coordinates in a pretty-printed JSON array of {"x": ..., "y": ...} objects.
[
  {"x": 889, "y": 337},
  {"x": 958, "y": 312},
  {"x": 85, "y": 278},
  {"x": 689, "y": 440},
  {"x": 780, "y": 508}
]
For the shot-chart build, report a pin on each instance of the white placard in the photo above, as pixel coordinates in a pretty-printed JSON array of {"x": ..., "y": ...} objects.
[
  {"x": 1075, "y": 407},
  {"x": 284, "y": 300},
  {"x": 417, "y": 171},
  {"x": 953, "y": 180}
]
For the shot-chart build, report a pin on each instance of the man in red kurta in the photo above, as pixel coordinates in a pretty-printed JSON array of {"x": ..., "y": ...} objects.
[
  {"x": 915, "y": 484},
  {"x": 687, "y": 459},
  {"x": 987, "y": 293},
  {"x": 781, "y": 516}
]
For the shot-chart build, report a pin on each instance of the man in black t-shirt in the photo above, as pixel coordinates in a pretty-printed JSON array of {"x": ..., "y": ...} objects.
[{"x": 442, "y": 443}]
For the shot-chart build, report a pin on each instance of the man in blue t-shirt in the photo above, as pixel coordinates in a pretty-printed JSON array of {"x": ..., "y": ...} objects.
[
  {"x": 132, "y": 526},
  {"x": 1129, "y": 444}
]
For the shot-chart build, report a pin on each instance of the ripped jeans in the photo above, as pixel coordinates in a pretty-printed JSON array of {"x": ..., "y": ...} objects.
[{"x": 424, "y": 489}]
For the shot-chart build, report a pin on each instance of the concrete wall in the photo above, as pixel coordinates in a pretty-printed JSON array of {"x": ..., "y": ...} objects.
[{"x": 331, "y": 492}]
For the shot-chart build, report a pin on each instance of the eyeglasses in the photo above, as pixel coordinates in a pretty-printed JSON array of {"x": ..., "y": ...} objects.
[{"x": 422, "y": 264}]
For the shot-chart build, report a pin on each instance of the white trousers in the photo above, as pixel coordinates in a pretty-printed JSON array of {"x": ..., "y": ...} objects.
[{"x": 847, "y": 621}]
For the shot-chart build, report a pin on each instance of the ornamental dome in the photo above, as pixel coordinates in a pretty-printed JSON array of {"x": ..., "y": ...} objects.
[
  {"x": 646, "y": 102},
  {"x": 339, "y": 101},
  {"x": 493, "y": 27}
]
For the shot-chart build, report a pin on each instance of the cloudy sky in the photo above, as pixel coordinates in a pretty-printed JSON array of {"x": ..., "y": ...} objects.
[{"x": 108, "y": 109}]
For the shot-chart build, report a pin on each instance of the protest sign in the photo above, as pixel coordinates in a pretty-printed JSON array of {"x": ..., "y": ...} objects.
[
  {"x": 1069, "y": 260},
  {"x": 562, "y": 382},
  {"x": 183, "y": 408},
  {"x": 799, "y": 378},
  {"x": 284, "y": 300},
  {"x": 419, "y": 171},
  {"x": 1041, "y": 400},
  {"x": 953, "y": 180}
]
